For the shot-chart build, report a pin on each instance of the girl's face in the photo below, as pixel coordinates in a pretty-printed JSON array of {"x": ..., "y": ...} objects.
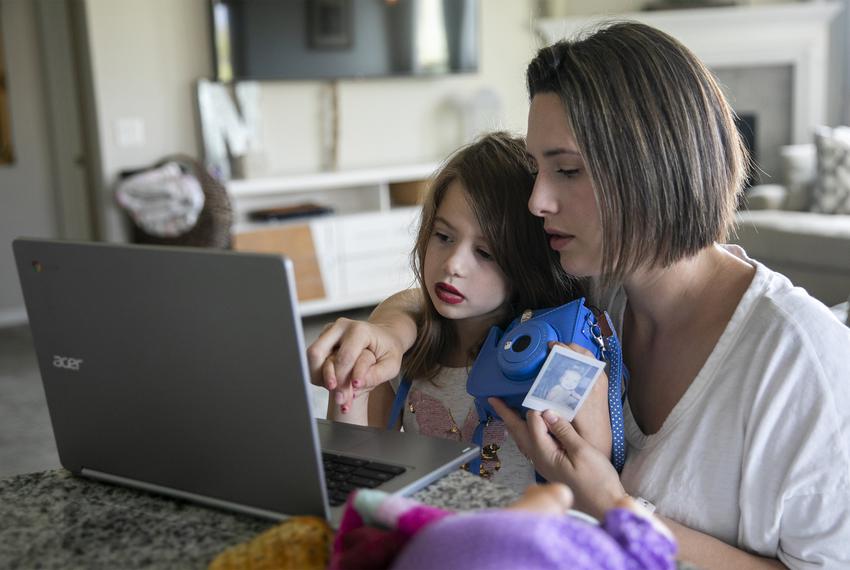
[
  {"x": 570, "y": 379},
  {"x": 461, "y": 276},
  {"x": 563, "y": 194}
]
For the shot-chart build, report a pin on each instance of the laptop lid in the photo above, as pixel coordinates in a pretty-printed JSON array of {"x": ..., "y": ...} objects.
[{"x": 183, "y": 370}]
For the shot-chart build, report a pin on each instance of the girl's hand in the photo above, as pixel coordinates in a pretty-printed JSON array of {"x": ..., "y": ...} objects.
[
  {"x": 548, "y": 499},
  {"x": 566, "y": 457},
  {"x": 353, "y": 356}
]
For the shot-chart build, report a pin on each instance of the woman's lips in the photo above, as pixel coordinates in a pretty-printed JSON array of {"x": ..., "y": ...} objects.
[
  {"x": 558, "y": 241},
  {"x": 448, "y": 294}
]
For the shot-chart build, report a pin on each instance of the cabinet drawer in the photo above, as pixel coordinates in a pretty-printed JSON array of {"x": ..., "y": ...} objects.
[
  {"x": 387, "y": 231},
  {"x": 380, "y": 274}
]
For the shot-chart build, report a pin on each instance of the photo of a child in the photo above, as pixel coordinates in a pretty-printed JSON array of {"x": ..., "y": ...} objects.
[{"x": 563, "y": 382}]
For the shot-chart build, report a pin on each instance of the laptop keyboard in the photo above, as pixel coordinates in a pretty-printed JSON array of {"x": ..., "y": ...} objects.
[{"x": 345, "y": 474}]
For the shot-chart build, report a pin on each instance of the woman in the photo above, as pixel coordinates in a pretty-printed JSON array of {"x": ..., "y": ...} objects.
[{"x": 737, "y": 418}]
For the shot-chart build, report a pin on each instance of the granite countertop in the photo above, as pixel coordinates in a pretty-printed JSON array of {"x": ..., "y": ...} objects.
[{"x": 55, "y": 520}]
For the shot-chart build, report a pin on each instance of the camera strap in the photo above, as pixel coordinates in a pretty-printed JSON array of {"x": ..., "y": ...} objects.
[
  {"x": 618, "y": 379},
  {"x": 398, "y": 402}
]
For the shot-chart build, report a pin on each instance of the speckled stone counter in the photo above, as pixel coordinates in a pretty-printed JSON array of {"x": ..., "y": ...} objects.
[{"x": 54, "y": 520}]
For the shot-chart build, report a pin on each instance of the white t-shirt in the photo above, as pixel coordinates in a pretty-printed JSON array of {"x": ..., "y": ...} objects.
[
  {"x": 757, "y": 451},
  {"x": 443, "y": 408}
]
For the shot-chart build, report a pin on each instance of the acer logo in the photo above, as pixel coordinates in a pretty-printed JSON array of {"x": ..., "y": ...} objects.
[{"x": 67, "y": 362}]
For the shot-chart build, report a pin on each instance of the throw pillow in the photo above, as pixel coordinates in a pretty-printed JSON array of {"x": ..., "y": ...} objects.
[
  {"x": 800, "y": 166},
  {"x": 832, "y": 190}
]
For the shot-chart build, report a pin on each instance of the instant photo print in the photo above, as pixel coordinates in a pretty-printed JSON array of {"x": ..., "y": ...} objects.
[{"x": 564, "y": 382}]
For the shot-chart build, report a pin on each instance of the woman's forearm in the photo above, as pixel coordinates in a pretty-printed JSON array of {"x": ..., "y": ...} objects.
[
  {"x": 708, "y": 552},
  {"x": 397, "y": 314}
]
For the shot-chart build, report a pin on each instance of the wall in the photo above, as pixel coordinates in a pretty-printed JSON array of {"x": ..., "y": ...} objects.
[
  {"x": 397, "y": 121},
  {"x": 27, "y": 202},
  {"x": 145, "y": 57},
  {"x": 838, "y": 102},
  {"x": 147, "y": 54}
]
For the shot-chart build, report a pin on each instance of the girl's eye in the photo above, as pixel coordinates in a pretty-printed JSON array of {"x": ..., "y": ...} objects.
[
  {"x": 441, "y": 236},
  {"x": 568, "y": 172},
  {"x": 484, "y": 254}
]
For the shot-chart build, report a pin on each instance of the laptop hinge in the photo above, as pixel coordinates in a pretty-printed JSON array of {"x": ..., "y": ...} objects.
[{"x": 153, "y": 488}]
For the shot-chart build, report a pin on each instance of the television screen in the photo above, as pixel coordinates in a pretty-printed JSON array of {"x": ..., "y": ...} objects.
[{"x": 331, "y": 39}]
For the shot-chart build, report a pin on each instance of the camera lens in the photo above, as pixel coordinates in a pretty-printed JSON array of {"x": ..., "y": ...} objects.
[{"x": 521, "y": 343}]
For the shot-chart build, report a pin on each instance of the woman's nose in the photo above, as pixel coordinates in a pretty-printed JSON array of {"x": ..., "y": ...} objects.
[{"x": 542, "y": 200}]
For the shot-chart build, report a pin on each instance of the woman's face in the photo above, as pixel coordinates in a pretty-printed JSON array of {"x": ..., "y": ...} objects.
[{"x": 563, "y": 194}]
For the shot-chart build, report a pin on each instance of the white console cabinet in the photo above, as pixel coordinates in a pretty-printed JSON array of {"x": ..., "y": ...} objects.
[{"x": 355, "y": 256}]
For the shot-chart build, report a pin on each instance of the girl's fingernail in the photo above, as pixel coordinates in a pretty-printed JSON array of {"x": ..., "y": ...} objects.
[
  {"x": 550, "y": 417},
  {"x": 355, "y": 383},
  {"x": 344, "y": 409}
]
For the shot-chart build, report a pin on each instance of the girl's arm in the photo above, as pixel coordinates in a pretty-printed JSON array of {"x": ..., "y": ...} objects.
[{"x": 367, "y": 409}]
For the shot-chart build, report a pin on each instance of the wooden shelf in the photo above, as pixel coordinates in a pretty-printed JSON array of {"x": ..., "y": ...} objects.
[
  {"x": 311, "y": 182},
  {"x": 356, "y": 256}
]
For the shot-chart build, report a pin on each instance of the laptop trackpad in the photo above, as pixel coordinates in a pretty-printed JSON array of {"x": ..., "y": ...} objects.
[{"x": 341, "y": 437}]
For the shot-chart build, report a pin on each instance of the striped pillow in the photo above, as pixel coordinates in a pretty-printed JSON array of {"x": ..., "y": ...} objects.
[{"x": 832, "y": 190}]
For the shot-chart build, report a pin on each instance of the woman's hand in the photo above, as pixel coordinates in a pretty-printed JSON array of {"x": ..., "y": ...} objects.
[
  {"x": 353, "y": 356},
  {"x": 566, "y": 457},
  {"x": 593, "y": 421}
]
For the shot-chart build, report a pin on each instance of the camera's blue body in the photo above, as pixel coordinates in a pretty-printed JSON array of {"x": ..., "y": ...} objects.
[{"x": 509, "y": 361}]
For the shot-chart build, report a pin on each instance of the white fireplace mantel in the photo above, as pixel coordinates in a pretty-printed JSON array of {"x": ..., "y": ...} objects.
[{"x": 745, "y": 36}]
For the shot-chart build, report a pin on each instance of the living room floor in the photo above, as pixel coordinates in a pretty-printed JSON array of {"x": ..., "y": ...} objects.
[{"x": 26, "y": 436}]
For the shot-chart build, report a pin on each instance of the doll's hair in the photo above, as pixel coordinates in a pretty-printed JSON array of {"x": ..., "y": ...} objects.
[
  {"x": 493, "y": 172},
  {"x": 658, "y": 139}
]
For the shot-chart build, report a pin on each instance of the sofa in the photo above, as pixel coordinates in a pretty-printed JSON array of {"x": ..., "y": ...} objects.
[{"x": 801, "y": 228}]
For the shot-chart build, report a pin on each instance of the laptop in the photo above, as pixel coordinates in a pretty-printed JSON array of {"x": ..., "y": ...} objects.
[{"x": 183, "y": 371}]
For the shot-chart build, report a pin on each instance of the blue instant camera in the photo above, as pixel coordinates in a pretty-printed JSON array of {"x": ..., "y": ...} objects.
[{"x": 509, "y": 361}]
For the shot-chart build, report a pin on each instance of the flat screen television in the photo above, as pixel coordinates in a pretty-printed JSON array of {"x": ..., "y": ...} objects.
[{"x": 334, "y": 39}]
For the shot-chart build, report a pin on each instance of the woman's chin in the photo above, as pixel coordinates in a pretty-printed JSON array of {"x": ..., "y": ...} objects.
[{"x": 578, "y": 268}]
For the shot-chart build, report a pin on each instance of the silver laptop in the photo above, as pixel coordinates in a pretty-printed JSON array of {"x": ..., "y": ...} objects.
[{"x": 183, "y": 371}]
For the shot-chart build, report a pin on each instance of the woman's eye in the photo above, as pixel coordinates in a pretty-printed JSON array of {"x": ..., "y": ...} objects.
[
  {"x": 568, "y": 172},
  {"x": 441, "y": 236}
]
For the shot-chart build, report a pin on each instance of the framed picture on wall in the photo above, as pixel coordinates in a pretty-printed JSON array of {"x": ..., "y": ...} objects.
[
  {"x": 6, "y": 154},
  {"x": 329, "y": 24}
]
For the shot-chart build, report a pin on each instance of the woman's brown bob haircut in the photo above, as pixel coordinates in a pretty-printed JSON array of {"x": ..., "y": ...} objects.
[
  {"x": 658, "y": 139},
  {"x": 493, "y": 172}
]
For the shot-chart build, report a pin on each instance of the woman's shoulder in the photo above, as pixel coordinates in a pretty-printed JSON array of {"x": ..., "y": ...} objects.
[
  {"x": 785, "y": 341},
  {"x": 793, "y": 338},
  {"x": 776, "y": 306}
]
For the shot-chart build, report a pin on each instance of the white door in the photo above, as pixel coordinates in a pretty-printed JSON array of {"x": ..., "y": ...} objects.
[{"x": 43, "y": 192}]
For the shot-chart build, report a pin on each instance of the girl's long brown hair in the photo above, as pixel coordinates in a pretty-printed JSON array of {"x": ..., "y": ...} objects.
[{"x": 494, "y": 172}]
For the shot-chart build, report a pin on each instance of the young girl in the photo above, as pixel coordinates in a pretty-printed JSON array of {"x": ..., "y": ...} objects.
[{"x": 480, "y": 258}]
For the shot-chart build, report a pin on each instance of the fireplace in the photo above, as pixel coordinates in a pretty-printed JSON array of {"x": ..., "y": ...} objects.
[
  {"x": 747, "y": 124},
  {"x": 761, "y": 97}
]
